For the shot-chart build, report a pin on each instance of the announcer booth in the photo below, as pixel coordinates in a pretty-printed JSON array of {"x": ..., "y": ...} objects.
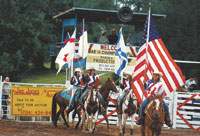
[{"x": 102, "y": 56}]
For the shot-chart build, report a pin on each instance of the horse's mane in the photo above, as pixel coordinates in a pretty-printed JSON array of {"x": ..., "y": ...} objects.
[
  {"x": 158, "y": 97},
  {"x": 103, "y": 87}
]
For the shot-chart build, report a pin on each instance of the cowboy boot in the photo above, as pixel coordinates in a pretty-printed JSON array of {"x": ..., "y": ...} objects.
[
  {"x": 141, "y": 119},
  {"x": 168, "y": 121}
]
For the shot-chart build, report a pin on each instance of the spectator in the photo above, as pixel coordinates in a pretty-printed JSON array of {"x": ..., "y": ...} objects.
[
  {"x": 190, "y": 84},
  {"x": 113, "y": 37},
  {"x": 5, "y": 95},
  {"x": 103, "y": 39}
]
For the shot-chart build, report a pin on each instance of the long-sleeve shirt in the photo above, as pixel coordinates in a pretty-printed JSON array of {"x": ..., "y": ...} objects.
[
  {"x": 154, "y": 88},
  {"x": 125, "y": 85},
  {"x": 77, "y": 81},
  {"x": 93, "y": 80}
]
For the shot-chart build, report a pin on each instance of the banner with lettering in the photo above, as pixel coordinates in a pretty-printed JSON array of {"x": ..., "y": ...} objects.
[
  {"x": 102, "y": 57},
  {"x": 32, "y": 101}
]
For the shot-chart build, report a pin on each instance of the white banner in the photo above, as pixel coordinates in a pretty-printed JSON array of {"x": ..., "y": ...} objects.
[{"x": 102, "y": 57}]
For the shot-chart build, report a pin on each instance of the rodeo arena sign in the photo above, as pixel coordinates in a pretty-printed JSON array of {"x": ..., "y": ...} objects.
[{"x": 151, "y": 61}]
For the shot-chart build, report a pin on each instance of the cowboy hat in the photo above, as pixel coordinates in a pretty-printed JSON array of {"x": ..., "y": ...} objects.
[
  {"x": 77, "y": 70},
  {"x": 128, "y": 73},
  {"x": 91, "y": 68},
  {"x": 103, "y": 31},
  {"x": 158, "y": 73}
]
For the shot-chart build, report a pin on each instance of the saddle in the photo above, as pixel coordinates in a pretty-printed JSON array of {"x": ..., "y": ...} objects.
[
  {"x": 123, "y": 100},
  {"x": 66, "y": 94}
]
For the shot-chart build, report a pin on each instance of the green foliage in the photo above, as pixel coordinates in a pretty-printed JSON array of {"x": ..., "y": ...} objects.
[{"x": 27, "y": 29}]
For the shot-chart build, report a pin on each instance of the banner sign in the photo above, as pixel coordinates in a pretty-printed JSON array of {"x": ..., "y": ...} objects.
[
  {"x": 103, "y": 58},
  {"x": 32, "y": 101}
]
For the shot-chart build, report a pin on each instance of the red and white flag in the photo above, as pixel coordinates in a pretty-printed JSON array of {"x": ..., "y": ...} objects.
[
  {"x": 66, "y": 53},
  {"x": 153, "y": 56}
]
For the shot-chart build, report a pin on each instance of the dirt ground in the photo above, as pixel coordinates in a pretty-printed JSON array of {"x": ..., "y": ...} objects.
[{"x": 12, "y": 128}]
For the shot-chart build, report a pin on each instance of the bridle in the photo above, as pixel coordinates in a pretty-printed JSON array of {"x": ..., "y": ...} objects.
[
  {"x": 92, "y": 93},
  {"x": 147, "y": 113}
]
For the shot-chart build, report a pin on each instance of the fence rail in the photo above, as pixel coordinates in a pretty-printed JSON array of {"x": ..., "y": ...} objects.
[{"x": 184, "y": 108}]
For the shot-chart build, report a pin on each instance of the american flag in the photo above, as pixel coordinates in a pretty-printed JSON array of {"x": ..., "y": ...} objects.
[{"x": 155, "y": 57}]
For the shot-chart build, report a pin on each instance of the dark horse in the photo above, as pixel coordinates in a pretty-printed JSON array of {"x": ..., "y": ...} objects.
[
  {"x": 63, "y": 103},
  {"x": 105, "y": 89},
  {"x": 155, "y": 116}
]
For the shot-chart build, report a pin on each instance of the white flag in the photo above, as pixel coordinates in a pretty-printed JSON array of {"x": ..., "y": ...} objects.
[
  {"x": 83, "y": 43},
  {"x": 66, "y": 53}
]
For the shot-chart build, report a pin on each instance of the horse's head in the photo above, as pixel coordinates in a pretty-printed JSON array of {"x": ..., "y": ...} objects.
[
  {"x": 94, "y": 93},
  {"x": 157, "y": 107},
  {"x": 110, "y": 84}
]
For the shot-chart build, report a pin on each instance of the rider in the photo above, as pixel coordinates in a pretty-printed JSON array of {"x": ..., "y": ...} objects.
[
  {"x": 156, "y": 76},
  {"x": 125, "y": 85},
  {"x": 92, "y": 79},
  {"x": 77, "y": 82}
]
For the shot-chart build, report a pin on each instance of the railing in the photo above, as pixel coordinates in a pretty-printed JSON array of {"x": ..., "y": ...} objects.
[{"x": 184, "y": 108}]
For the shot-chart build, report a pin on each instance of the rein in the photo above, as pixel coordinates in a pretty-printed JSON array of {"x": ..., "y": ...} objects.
[{"x": 147, "y": 113}]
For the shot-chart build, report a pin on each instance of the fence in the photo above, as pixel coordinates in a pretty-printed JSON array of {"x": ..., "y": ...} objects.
[{"x": 184, "y": 108}]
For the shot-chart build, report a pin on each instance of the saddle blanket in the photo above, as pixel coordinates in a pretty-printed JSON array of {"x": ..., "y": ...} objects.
[{"x": 66, "y": 94}]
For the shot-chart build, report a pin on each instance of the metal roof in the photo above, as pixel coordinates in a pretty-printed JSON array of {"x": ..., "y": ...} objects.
[{"x": 103, "y": 16}]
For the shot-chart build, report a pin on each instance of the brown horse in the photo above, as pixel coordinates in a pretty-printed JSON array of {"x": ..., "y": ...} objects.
[
  {"x": 128, "y": 109},
  {"x": 155, "y": 116},
  {"x": 105, "y": 89},
  {"x": 63, "y": 103}
]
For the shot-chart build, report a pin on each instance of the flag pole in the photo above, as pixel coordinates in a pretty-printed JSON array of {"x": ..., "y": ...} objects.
[
  {"x": 147, "y": 43},
  {"x": 83, "y": 43}
]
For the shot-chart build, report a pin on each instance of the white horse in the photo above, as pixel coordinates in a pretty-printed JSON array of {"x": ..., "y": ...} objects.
[
  {"x": 128, "y": 109},
  {"x": 91, "y": 109}
]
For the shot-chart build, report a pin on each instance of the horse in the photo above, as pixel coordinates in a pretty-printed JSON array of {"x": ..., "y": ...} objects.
[
  {"x": 128, "y": 109},
  {"x": 63, "y": 103},
  {"x": 105, "y": 89},
  {"x": 155, "y": 116},
  {"x": 91, "y": 108}
]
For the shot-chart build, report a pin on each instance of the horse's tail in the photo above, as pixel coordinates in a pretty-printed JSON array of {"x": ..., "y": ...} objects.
[{"x": 54, "y": 108}]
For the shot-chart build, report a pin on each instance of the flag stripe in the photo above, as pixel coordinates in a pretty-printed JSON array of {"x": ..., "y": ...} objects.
[
  {"x": 157, "y": 66},
  {"x": 172, "y": 75},
  {"x": 172, "y": 63}
]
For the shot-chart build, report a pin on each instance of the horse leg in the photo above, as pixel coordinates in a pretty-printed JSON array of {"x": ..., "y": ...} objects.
[
  {"x": 56, "y": 119},
  {"x": 79, "y": 119},
  {"x": 106, "y": 118},
  {"x": 91, "y": 123},
  {"x": 158, "y": 132},
  {"x": 148, "y": 132},
  {"x": 83, "y": 121},
  {"x": 88, "y": 121},
  {"x": 73, "y": 116},
  {"x": 132, "y": 123},
  {"x": 124, "y": 123},
  {"x": 63, "y": 116},
  {"x": 120, "y": 123},
  {"x": 142, "y": 128},
  {"x": 95, "y": 121}
]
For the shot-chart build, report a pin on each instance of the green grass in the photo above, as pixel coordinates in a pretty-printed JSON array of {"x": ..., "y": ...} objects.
[
  {"x": 45, "y": 77},
  {"x": 49, "y": 76}
]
